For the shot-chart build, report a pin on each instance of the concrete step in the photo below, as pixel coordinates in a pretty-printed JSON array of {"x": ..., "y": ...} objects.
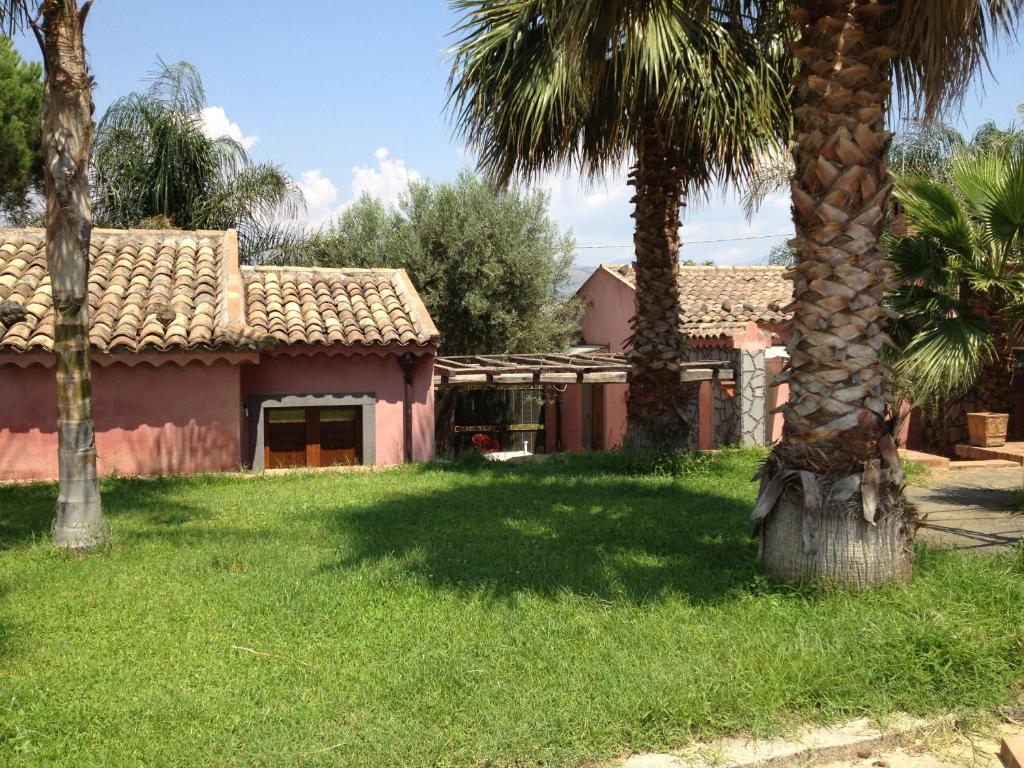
[
  {"x": 929, "y": 460},
  {"x": 1010, "y": 452},
  {"x": 983, "y": 464},
  {"x": 1012, "y": 751}
]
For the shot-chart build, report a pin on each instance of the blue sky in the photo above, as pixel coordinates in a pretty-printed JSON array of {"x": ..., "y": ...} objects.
[{"x": 348, "y": 96}]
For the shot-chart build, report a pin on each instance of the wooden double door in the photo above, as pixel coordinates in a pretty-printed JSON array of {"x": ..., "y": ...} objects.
[{"x": 312, "y": 437}]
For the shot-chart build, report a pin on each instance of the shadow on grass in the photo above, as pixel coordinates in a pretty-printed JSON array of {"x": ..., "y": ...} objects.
[
  {"x": 27, "y": 511},
  {"x": 542, "y": 530}
]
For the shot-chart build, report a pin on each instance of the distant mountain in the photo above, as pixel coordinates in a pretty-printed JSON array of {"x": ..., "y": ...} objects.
[
  {"x": 578, "y": 276},
  {"x": 579, "y": 273}
]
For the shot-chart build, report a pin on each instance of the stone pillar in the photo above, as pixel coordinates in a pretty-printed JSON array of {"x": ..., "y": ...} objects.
[{"x": 751, "y": 391}]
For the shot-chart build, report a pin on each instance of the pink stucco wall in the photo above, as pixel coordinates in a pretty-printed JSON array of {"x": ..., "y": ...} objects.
[
  {"x": 349, "y": 372},
  {"x": 608, "y": 307},
  {"x": 149, "y": 420},
  {"x": 572, "y": 418},
  {"x": 187, "y": 418},
  {"x": 615, "y": 414}
]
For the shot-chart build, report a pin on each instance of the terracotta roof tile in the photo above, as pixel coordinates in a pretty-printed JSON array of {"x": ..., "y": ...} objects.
[
  {"x": 183, "y": 291},
  {"x": 719, "y": 301},
  {"x": 133, "y": 276},
  {"x": 336, "y": 306}
]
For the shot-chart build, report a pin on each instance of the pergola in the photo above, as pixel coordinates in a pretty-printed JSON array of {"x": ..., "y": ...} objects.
[
  {"x": 555, "y": 372},
  {"x": 533, "y": 369}
]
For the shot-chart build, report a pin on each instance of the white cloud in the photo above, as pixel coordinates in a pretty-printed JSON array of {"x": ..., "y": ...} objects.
[
  {"x": 386, "y": 181},
  {"x": 599, "y": 215},
  {"x": 321, "y": 196},
  {"x": 216, "y": 124}
]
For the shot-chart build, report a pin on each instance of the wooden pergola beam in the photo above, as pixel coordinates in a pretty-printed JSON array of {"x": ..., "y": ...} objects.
[{"x": 559, "y": 369}]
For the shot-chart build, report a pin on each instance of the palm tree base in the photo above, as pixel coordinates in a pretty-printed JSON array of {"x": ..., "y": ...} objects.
[
  {"x": 846, "y": 550},
  {"x": 86, "y": 534}
]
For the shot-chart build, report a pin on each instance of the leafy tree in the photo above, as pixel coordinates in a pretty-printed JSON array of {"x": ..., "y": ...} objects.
[
  {"x": 781, "y": 255},
  {"x": 152, "y": 159},
  {"x": 846, "y": 519},
  {"x": 21, "y": 153},
  {"x": 67, "y": 132},
  {"x": 488, "y": 261},
  {"x": 689, "y": 93},
  {"x": 961, "y": 274},
  {"x": 929, "y": 148}
]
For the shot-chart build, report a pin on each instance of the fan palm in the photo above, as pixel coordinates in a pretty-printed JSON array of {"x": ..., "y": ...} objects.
[
  {"x": 66, "y": 140},
  {"x": 153, "y": 159},
  {"x": 961, "y": 274},
  {"x": 688, "y": 92},
  {"x": 831, "y": 504}
]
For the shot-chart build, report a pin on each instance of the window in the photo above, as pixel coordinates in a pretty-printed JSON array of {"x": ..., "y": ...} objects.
[{"x": 312, "y": 437}]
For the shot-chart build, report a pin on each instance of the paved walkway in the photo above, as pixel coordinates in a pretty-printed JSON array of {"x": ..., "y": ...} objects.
[{"x": 971, "y": 510}]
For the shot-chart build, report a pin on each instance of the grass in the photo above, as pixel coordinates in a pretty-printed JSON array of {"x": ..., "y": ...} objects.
[
  {"x": 916, "y": 473},
  {"x": 549, "y": 614}
]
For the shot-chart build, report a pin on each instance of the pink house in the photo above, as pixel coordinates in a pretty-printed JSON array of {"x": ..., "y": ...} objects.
[
  {"x": 729, "y": 313},
  {"x": 200, "y": 365}
]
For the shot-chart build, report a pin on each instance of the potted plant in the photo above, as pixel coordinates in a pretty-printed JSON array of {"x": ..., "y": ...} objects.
[{"x": 987, "y": 429}]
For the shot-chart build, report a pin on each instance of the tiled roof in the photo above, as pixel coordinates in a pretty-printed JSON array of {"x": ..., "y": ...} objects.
[
  {"x": 161, "y": 290},
  {"x": 718, "y": 301},
  {"x": 336, "y": 306},
  {"x": 169, "y": 290}
]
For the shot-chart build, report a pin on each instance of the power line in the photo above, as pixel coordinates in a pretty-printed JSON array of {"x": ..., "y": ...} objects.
[{"x": 697, "y": 242}]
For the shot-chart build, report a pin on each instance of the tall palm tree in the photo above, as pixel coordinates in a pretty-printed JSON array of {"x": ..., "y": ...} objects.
[
  {"x": 831, "y": 504},
  {"x": 689, "y": 93},
  {"x": 921, "y": 147},
  {"x": 961, "y": 273},
  {"x": 67, "y": 140},
  {"x": 154, "y": 162}
]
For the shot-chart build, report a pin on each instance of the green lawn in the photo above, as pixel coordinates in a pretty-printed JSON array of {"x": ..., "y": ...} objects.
[{"x": 533, "y": 615}]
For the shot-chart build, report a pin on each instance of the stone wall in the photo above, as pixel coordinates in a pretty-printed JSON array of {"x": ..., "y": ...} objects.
[
  {"x": 751, "y": 392},
  {"x": 742, "y": 418}
]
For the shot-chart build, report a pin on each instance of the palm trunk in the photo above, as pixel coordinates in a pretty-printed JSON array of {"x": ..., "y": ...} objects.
[
  {"x": 655, "y": 419},
  {"x": 837, "y": 465},
  {"x": 67, "y": 141}
]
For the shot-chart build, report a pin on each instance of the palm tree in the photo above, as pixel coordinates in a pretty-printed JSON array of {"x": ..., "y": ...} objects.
[
  {"x": 66, "y": 140},
  {"x": 153, "y": 162},
  {"x": 831, "y": 504},
  {"x": 923, "y": 146},
  {"x": 689, "y": 93},
  {"x": 961, "y": 274}
]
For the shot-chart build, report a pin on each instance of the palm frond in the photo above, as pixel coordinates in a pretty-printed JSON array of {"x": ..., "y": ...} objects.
[
  {"x": 536, "y": 85},
  {"x": 924, "y": 147},
  {"x": 946, "y": 356},
  {"x": 152, "y": 157},
  {"x": 772, "y": 173},
  {"x": 1004, "y": 207},
  {"x": 178, "y": 87},
  {"x": 933, "y": 207},
  {"x": 940, "y": 46},
  {"x": 14, "y": 14},
  {"x": 959, "y": 270}
]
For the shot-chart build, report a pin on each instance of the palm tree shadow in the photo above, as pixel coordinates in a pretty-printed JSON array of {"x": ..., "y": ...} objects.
[
  {"x": 27, "y": 510},
  {"x": 538, "y": 532}
]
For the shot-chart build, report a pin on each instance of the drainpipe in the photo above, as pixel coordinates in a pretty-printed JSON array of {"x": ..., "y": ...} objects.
[{"x": 407, "y": 362}]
